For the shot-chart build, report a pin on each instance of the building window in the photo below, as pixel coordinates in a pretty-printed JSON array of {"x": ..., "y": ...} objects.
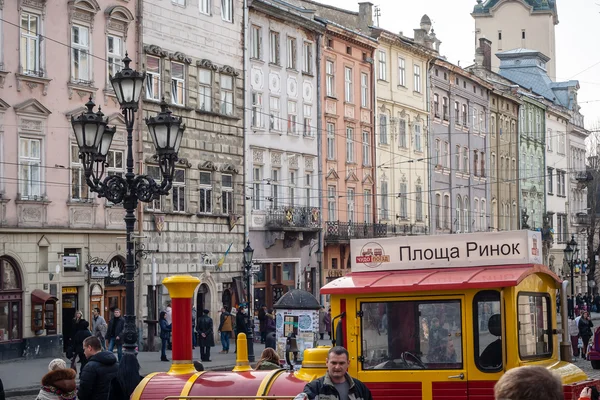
[
  {"x": 493, "y": 165},
  {"x": 446, "y": 211},
  {"x": 384, "y": 200},
  {"x": 226, "y": 94},
  {"x": 256, "y": 41},
  {"x": 457, "y": 158},
  {"x": 178, "y": 190},
  {"x": 257, "y": 110},
  {"x": 562, "y": 228},
  {"x": 417, "y": 73},
  {"x": 482, "y": 165},
  {"x": 256, "y": 186},
  {"x": 307, "y": 52},
  {"x": 274, "y": 114},
  {"x": 115, "y": 54},
  {"x": 382, "y": 65},
  {"x": 80, "y": 50},
  {"x": 348, "y": 84},
  {"x": 154, "y": 172},
  {"x": 456, "y": 113},
  {"x": 549, "y": 139},
  {"x": 446, "y": 155},
  {"x": 292, "y": 188},
  {"x": 292, "y": 55},
  {"x": 436, "y": 105},
  {"x": 349, "y": 145},
  {"x": 307, "y": 118},
  {"x": 205, "y": 6},
  {"x": 368, "y": 205},
  {"x": 330, "y": 141},
  {"x": 464, "y": 115},
  {"x": 178, "y": 83},
  {"x": 227, "y": 10},
  {"x": 458, "y": 220},
  {"x": 292, "y": 117},
  {"x": 383, "y": 136},
  {"x": 30, "y": 164},
  {"x": 401, "y": 72},
  {"x": 30, "y": 44},
  {"x": 438, "y": 206},
  {"x": 403, "y": 201},
  {"x": 205, "y": 206},
  {"x": 330, "y": 78},
  {"x": 153, "y": 80},
  {"x": 350, "y": 204},
  {"x": 364, "y": 90},
  {"x": 438, "y": 149},
  {"x": 274, "y": 182},
  {"x": 445, "y": 108},
  {"x": 475, "y": 162},
  {"x": 419, "y": 202},
  {"x": 403, "y": 142},
  {"x": 11, "y": 306},
  {"x": 308, "y": 189},
  {"x": 465, "y": 160},
  {"x": 560, "y": 180},
  {"x": 331, "y": 199},
  {"x": 79, "y": 187},
  {"x": 418, "y": 138},
  {"x": 366, "y": 149},
  {"x": 274, "y": 48}
]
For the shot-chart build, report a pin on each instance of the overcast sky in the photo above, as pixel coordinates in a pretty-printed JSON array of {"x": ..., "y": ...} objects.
[{"x": 578, "y": 55}]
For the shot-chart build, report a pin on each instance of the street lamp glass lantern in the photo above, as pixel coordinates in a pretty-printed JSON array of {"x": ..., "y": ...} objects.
[
  {"x": 568, "y": 253},
  {"x": 88, "y": 128},
  {"x": 573, "y": 243},
  {"x": 248, "y": 254},
  {"x": 128, "y": 84},
  {"x": 166, "y": 131},
  {"x": 106, "y": 141}
]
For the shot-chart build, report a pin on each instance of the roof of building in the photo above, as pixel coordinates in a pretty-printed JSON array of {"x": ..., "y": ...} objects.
[
  {"x": 528, "y": 69},
  {"x": 484, "y": 7}
]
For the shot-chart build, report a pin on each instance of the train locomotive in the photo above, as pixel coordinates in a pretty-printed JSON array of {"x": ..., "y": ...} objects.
[{"x": 421, "y": 328}]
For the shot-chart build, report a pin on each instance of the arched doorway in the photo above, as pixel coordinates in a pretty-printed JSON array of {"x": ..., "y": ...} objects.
[
  {"x": 11, "y": 301},
  {"x": 226, "y": 299},
  {"x": 203, "y": 299},
  {"x": 114, "y": 292}
]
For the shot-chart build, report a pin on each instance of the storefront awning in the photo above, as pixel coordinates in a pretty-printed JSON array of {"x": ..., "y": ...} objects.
[
  {"x": 38, "y": 296},
  {"x": 438, "y": 279}
]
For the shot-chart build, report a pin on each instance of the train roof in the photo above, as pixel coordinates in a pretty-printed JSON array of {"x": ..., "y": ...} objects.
[{"x": 479, "y": 277}]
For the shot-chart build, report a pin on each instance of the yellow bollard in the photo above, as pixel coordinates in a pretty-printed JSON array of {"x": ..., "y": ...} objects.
[{"x": 241, "y": 360}]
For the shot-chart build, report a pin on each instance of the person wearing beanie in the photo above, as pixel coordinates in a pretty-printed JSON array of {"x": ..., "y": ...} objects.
[
  {"x": 206, "y": 336},
  {"x": 58, "y": 383}
]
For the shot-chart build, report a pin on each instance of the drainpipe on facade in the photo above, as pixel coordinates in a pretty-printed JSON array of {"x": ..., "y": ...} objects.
[
  {"x": 375, "y": 194},
  {"x": 518, "y": 157},
  {"x": 318, "y": 40},
  {"x": 247, "y": 209},
  {"x": 140, "y": 157},
  {"x": 429, "y": 87}
]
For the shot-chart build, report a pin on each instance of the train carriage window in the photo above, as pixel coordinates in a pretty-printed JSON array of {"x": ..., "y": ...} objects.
[
  {"x": 487, "y": 337},
  {"x": 411, "y": 335},
  {"x": 535, "y": 334}
]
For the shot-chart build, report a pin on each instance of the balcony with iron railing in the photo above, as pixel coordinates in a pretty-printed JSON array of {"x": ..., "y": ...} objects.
[
  {"x": 581, "y": 176},
  {"x": 581, "y": 219},
  {"x": 337, "y": 231},
  {"x": 291, "y": 218}
]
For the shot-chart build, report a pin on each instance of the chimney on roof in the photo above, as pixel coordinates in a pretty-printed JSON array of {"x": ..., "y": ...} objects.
[
  {"x": 365, "y": 16},
  {"x": 486, "y": 47}
]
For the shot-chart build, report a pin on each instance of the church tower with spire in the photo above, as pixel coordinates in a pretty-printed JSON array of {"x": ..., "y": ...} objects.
[{"x": 514, "y": 24}]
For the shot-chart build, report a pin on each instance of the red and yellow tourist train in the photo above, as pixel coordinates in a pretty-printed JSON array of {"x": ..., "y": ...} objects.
[{"x": 434, "y": 317}]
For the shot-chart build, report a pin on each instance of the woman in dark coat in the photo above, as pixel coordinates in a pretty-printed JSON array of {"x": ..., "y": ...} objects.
[
  {"x": 206, "y": 337},
  {"x": 585, "y": 331},
  {"x": 165, "y": 333},
  {"x": 83, "y": 332},
  {"x": 127, "y": 378}
]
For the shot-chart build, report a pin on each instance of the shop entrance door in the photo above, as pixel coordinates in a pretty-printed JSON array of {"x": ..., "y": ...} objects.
[
  {"x": 114, "y": 297},
  {"x": 70, "y": 304}
]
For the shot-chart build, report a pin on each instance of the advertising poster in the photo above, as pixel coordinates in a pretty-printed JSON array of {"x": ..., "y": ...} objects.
[{"x": 302, "y": 323}]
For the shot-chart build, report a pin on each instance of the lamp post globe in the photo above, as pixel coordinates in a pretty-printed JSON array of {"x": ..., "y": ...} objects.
[{"x": 94, "y": 139}]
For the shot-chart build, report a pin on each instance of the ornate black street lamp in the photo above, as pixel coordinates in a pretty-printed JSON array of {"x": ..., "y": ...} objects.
[
  {"x": 248, "y": 254},
  {"x": 94, "y": 139},
  {"x": 569, "y": 252}
]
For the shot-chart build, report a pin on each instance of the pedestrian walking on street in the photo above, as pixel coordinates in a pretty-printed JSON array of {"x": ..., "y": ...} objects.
[
  {"x": 82, "y": 333},
  {"x": 337, "y": 384},
  {"x": 206, "y": 337},
  {"x": 101, "y": 368},
  {"x": 240, "y": 323},
  {"x": 262, "y": 323},
  {"x": 194, "y": 338},
  {"x": 585, "y": 326},
  {"x": 322, "y": 328},
  {"x": 574, "y": 334},
  {"x": 58, "y": 383},
  {"x": 269, "y": 359},
  {"x": 225, "y": 329},
  {"x": 327, "y": 320},
  {"x": 165, "y": 334},
  {"x": 99, "y": 327},
  {"x": 127, "y": 378},
  {"x": 114, "y": 334}
]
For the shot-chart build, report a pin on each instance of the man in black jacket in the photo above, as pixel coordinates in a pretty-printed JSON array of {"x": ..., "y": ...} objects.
[
  {"x": 114, "y": 333},
  {"x": 101, "y": 368},
  {"x": 337, "y": 383},
  {"x": 205, "y": 335}
]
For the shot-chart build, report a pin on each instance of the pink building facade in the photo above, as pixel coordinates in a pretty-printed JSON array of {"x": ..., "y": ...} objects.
[
  {"x": 54, "y": 55},
  {"x": 348, "y": 164}
]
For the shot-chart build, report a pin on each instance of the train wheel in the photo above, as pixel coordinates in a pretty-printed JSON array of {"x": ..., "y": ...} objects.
[{"x": 596, "y": 364}]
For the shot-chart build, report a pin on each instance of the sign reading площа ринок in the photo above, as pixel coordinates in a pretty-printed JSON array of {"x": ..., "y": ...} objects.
[{"x": 446, "y": 251}]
